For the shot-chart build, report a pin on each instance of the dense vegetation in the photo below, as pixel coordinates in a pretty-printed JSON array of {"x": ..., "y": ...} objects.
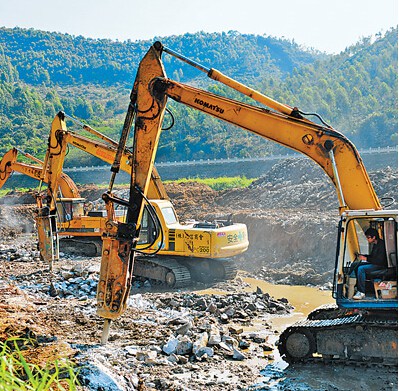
[{"x": 42, "y": 73}]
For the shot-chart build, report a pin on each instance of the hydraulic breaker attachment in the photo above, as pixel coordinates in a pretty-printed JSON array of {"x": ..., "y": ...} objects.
[
  {"x": 115, "y": 275},
  {"x": 116, "y": 265},
  {"x": 146, "y": 111},
  {"x": 46, "y": 218},
  {"x": 47, "y": 235}
]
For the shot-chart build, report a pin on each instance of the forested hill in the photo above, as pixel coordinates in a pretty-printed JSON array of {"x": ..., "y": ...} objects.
[
  {"x": 42, "y": 73},
  {"x": 61, "y": 59}
]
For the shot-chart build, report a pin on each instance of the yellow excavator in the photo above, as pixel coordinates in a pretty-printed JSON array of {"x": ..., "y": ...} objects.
[
  {"x": 352, "y": 331},
  {"x": 199, "y": 251}
]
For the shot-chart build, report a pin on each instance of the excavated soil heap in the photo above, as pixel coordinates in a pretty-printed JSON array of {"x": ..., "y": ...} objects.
[{"x": 291, "y": 215}]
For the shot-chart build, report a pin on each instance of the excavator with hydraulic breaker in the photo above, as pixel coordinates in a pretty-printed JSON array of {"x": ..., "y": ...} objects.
[
  {"x": 194, "y": 251},
  {"x": 352, "y": 331}
]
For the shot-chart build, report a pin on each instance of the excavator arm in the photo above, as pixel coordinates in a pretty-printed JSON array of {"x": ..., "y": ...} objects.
[
  {"x": 105, "y": 149},
  {"x": 46, "y": 211},
  {"x": 9, "y": 164},
  {"x": 120, "y": 238},
  {"x": 331, "y": 150}
]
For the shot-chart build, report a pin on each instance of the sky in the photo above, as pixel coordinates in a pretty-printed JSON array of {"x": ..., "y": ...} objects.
[{"x": 325, "y": 25}]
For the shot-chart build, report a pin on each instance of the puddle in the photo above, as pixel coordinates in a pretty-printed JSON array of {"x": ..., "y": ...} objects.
[{"x": 304, "y": 299}]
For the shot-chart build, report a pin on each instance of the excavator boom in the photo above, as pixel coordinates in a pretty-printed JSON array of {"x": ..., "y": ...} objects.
[
  {"x": 9, "y": 164},
  {"x": 318, "y": 142}
]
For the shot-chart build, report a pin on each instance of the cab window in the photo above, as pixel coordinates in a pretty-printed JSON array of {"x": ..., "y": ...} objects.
[{"x": 169, "y": 215}]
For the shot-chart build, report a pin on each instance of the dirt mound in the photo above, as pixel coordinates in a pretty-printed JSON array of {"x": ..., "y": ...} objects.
[
  {"x": 299, "y": 183},
  {"x": 291, "y": 216},
  {"x": 191, "y": 199},
  {"x": 16, "y": 219},
  {"x": 15, "y": 197},
  {"x": 91, "y": 192}
]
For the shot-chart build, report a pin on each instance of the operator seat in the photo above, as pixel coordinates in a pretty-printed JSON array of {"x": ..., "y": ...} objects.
[{"x": 391, "y": 272}]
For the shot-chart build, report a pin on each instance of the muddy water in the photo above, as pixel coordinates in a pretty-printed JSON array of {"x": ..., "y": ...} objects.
[
  {"x": 304, "y": 300},
  {"x": 277, "y": 375}
]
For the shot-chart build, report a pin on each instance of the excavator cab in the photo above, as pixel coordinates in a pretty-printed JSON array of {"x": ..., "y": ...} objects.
[
  {"x": 69, "y": 208},
  {"x": 381, "y": 285}
]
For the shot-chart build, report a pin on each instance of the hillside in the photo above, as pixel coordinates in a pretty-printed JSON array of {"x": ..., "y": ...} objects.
[
  {"x": 42, "y": 73},
  {"x": 62, "y": 59}
]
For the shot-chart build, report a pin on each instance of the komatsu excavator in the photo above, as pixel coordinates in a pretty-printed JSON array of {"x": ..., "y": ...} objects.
[
  {"x": 353, "y": 331},
  {"x": 199, "y": 251}
]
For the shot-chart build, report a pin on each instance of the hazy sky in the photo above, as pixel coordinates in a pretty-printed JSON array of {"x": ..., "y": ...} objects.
[{"x": 327, "y": 25}]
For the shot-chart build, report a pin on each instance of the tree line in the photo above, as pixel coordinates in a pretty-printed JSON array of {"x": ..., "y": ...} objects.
[{"x": 42, "y": 73}]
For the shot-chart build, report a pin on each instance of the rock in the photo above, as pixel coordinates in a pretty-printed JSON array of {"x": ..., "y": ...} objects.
[
  {"x": 214, "y": 336},
  {"x": 257, "y": 337},
  {"x": 200, "y": 342},
  {"x": 224, "y": 318},
  {"x": 67, "y": 274},
  {"x": 212, "y": 308},
  {"x": 226, "y": 349},
  {"x": 174, "y": 303},
  {"x": 201, "y": 304},
  {"x": 230, "y": 311},
  {"x": 235, "y": 330},
  {"x": 95, "y": 376},
  {"x": 267, "y": 348},
  {"x": 170, "y": 346},
  {"x": 173, "y": 358},
  {"x": 146, "y": 355},
  {"x": 204, "y": 352},
  {"x": 243, "y": 344},
  {"x": 184, "y": 328},
  {"x": 184, "y": 346},
  {"x": 238, "y": 355},
  {"x": 230, "y": 340},
  {"x": 183, "y": 359},
  {"x": 131, "y": 350}
]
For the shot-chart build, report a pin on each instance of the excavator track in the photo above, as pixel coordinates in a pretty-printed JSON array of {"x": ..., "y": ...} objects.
[
  {"x": 228, "y": 267},
  {"x": 82, "y": 247},
  {"x": 166, "y": 272},
  {"x": 360, "y": 340},
  {"x": 171, "y": 272},
  {"x": 210, "y": 270},
  {"x": 328, "y": 311}
]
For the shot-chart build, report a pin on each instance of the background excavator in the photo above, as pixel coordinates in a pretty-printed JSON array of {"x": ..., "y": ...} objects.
[
  {"x": 354, "y": 331},
  {"x": 200, "y": 251}
]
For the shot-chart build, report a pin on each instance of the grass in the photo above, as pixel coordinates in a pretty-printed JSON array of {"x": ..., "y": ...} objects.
[
  {"x": 4, "y": 192},
  {"x": 221, "y": 183},
  {"x": 16, "y": 374}
]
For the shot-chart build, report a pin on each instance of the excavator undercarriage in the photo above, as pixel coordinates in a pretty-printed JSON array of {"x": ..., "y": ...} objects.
[
  {"x": 169, "y": 271},
  {"x": 335, "y": 335}
]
